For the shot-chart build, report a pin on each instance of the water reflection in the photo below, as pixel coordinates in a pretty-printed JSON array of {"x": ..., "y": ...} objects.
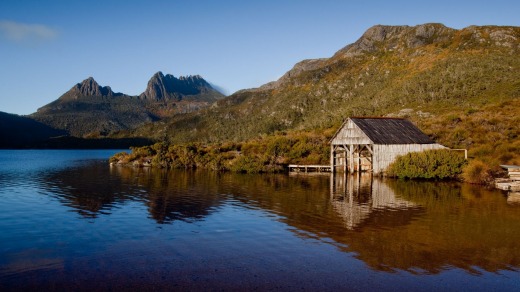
[
  {"x": 434, "y": 226},
  {"x": 513, "y": 198},
  {"x": 90, "y": 190},
  {"x": 169, "y": 196},
  {"x": 360, "y": 200},
  {"x": 173, "y": 195},
  {"x": 419, "y": 227}
]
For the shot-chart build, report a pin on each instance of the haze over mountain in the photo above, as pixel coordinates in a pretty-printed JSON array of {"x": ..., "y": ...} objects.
[{"x": 89, "y": 109}]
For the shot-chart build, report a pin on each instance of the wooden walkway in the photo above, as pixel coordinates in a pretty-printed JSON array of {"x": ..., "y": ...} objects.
[
  {"x": 513, "y": 171},
  {"x": 309, "y": 168}
]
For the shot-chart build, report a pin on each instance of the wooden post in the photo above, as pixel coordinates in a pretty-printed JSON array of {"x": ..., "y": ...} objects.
[
  {"x": 350, "y": 191},
  {"x": 332, "y": 159},
  {"x": 351, "y": 159},
  {"x": 371, "y": 160},
  {"x": 332, "y": 185},
  {"x": 358, "y": 178},
  {"x": 345, "y": 161},
  {"x": 359, "y": 158}
]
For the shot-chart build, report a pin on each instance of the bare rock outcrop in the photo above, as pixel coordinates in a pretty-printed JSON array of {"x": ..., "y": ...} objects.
[{"x": 168, "y": 87}]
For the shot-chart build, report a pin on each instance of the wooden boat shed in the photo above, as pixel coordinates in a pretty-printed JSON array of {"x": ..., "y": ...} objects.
[{"x": 372, "y": 144}]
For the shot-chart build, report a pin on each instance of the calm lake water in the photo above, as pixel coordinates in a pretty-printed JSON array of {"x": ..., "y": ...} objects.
[{"x": 69, "y": 221}]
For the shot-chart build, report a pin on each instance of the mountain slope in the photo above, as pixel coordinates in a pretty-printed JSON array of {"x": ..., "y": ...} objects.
[
  {"x": 17, "y": 131},
  {"x": 91, "y": 110},
  {"x": 426, "y": 70}
]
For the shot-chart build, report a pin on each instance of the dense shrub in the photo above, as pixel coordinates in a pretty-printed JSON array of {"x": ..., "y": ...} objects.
[
  {"x": 431, "y": 164},
  {"x": 247, "y": 164}
]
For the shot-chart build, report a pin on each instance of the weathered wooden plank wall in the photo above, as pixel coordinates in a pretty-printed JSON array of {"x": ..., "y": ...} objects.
[{"x": 384, "y": 155}]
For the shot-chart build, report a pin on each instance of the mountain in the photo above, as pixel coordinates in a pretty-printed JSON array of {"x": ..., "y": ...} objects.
[
  {"x": 167, "y": 87},
  {"x": 19, "y": 132},
  {"x": 89, "y": 87},
  {"x": 461, "y": 87},
  {"x": 91, "y": 110}
]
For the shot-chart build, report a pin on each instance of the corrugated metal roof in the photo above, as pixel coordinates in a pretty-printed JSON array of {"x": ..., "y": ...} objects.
[{"x": 391, "y": 131}]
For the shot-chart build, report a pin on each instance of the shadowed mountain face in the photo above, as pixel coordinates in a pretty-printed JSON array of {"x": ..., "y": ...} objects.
[
  {"x": 17, "y": 131},
  {"x": 91, "y": 110}
]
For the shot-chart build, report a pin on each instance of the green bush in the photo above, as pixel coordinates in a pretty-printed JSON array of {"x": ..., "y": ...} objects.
[
  {"x": 431, "y": 164},
  {"x": 247, "y": 164}
]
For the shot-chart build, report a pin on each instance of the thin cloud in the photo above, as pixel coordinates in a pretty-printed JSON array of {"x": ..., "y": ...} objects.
[{"x": 20, "y": 32}]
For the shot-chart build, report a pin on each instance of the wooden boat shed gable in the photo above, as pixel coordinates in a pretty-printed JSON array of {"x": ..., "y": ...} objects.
[
  {"x": 373, "y": 143},
  {"x": 350, "y": 133}
]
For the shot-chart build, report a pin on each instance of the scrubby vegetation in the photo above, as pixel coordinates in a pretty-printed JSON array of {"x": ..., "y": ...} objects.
[
  {"x": 477, "y": 172},
  {"x": 264, "y": 154},
  {"x": 491, "y": 134},
  {"x": 431, "y": 164}
]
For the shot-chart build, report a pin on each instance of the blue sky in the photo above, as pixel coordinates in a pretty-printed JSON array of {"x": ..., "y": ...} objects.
[{"x": 46, "y": 47}]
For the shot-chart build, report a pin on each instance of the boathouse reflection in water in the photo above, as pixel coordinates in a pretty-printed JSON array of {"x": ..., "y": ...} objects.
[
  {"x": 357, "y": 197},
  {"x": 426, "y": 227}
]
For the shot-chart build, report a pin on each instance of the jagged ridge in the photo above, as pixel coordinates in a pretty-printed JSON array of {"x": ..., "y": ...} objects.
[
  {"x": 167, "y": 87},
  {"x": 90, "y": 109}
]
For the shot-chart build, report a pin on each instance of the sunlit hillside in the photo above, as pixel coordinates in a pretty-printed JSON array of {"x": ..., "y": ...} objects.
[{"x": 461, "y": 87}]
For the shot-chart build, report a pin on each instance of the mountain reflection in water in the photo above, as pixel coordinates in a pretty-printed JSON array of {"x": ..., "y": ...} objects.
[
  {"x": 169, "y": 196},
  {"x": 419, "y": 227}
]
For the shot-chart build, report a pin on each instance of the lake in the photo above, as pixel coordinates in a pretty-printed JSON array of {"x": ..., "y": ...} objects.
[{"x": 70, "y": 221}]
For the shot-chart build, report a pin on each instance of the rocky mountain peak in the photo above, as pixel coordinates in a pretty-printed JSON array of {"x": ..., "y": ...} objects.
[
  {"x": 167, "y": 87},
  {"x": 158, "y": 87},
  {"x": 397, "y": 38},
  {"x": 88, "y": 87}
]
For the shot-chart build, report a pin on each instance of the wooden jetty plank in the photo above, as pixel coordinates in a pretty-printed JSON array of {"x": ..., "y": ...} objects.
[
  {"x": 310, "y": 168},
  {"x": 513, "y": 171}
]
